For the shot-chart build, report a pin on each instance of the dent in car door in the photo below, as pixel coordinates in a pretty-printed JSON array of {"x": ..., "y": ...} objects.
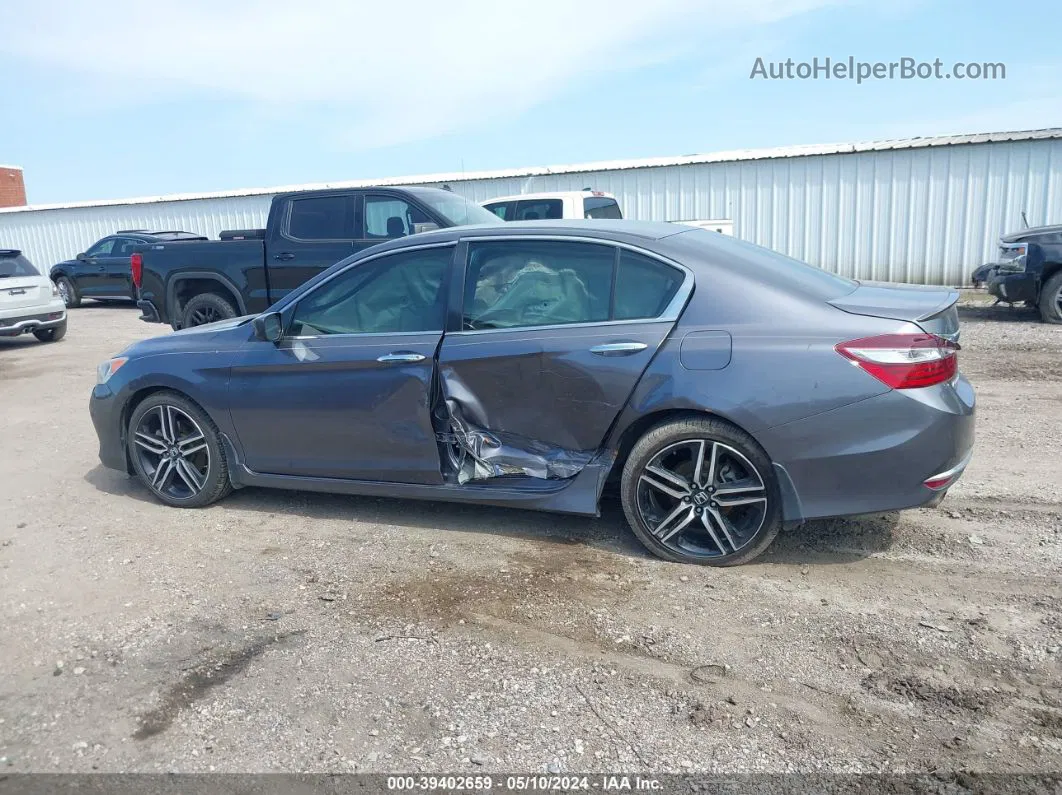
[
  {"x": 346, "y": 393},
  {"x": 538, "y": 400}
]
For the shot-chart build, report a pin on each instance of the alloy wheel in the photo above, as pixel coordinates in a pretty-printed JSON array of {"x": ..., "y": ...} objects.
[
  {"x": 173, "y": 452},
  {"x": 204, "y": 315},
  {"x": 64, "y": 291},
  {"x": 702, "y": 498}
]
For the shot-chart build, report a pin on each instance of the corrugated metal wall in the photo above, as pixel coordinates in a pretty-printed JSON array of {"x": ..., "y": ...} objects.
[{"x": 925, "y": 215}]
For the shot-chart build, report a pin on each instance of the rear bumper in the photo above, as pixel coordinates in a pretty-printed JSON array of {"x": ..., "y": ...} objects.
[
  {"x": 29, "y": 322},
  {"x": 876, "y": 455},
  {"x": 106, "y": 413},
  {"x": 148, "y": 312}
]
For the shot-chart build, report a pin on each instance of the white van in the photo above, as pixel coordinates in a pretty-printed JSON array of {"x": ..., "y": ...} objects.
[{"x": 563, "y": 204}]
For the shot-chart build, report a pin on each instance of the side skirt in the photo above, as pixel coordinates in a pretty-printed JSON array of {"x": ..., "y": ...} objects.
[{"x": 577, "y": 495}]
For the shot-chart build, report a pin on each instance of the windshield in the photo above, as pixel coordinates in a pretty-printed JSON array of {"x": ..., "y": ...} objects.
[
  {"x": 12, "y": 263},
  {"x": 458, "y": 210}
]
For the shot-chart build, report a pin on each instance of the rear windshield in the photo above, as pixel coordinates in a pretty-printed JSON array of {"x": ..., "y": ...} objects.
[
  {"x": 601, "y": 208},
  {"x": 539, "y": 209},
  {"x": 14, "y": 264},
  {"x": 767, "y": 264}
]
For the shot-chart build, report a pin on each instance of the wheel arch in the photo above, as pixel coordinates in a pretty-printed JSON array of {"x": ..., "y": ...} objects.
[
  {"x": 142, "y": 394},
  {"x": 209, "y": 281},
  {"x": 623, "y": 442}
]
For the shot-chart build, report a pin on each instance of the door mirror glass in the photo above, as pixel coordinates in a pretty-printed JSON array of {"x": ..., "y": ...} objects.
[
  {"x": 81, "y": 256},
  {"x": 427, "y": 226},
  {"x": 269, "y": 327}
]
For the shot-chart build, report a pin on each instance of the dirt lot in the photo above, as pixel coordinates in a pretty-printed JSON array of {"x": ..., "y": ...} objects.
[{"x": 295, "y": 632}]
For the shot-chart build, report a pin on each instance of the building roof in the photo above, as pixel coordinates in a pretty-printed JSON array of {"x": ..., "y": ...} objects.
[
  {"x": 734, "y": 155},
  {"x": 11, "y": 168}
]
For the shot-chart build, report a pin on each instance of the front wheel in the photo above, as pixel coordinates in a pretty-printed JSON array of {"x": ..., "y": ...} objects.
[
  {"x": 1051, "y": 300},
  {"x": 176, "y": 451},
  {"x": 701, "y": 491},
  {"x": 71, "y": 297}
]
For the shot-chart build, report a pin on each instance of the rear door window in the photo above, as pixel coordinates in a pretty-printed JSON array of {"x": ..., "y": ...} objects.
[
  {"x": 538, "y": 209},
  {"x": 322, "y": 218},
  {"x": 644, "y": 286},
  {"x": 525, "y": 283},
  {"x": 601, "y": 207}
]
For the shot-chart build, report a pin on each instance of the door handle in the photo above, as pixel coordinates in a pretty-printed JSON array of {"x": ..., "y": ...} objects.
[
  {"x": 618, "y": 348},
  {"x": 401, "y": 356},
  {"x": 284, "y": 255}
]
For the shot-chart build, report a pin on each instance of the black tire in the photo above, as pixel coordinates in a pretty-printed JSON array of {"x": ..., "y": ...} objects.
[
  {"x": 703, "y": 540},
  {"x": 71, "y": 296},
  {"x": 53, "y": 334},
  {"x": 206, "y": 308},
  {"x": 215, "y": 471},
  {"x": 1051, "y": 300}
]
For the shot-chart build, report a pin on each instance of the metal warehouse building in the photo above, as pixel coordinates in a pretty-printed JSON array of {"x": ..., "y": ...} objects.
[{"x": 924, "y": 210}]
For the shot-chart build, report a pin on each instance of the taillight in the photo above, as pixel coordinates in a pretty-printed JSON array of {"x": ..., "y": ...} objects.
[
  {"x": 904, "y": 361},
  {"x": 136, "y": 265}
]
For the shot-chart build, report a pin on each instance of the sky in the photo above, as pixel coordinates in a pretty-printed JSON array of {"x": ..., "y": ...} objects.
[{"x": 120, "y": 98}]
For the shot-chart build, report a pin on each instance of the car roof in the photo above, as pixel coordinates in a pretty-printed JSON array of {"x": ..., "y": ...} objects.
[
  {"x": 607, "y": 230},
  {"x": 412, "y": 190},
  {"x": 557, "y": 194},
  {"x": 1035, "y": 231}
]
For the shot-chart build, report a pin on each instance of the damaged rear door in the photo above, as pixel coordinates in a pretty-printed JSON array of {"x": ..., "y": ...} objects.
[{"x": 555, "y": 334}]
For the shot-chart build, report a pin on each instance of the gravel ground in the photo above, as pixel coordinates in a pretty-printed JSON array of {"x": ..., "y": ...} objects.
[{"x": 295, "y": 632}]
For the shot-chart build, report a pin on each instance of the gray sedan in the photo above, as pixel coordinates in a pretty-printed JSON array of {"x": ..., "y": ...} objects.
[{"x": 725, "y": 389}]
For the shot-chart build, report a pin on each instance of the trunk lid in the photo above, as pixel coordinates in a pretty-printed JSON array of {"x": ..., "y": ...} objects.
[
  {"x": 932, "y": 308},
  {"x": 24, "y": 291}
]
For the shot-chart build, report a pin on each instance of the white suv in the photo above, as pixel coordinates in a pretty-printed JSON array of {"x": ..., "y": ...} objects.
[
  {"x": 29, "y": 301},
  {"x": 565, "y": 204}
]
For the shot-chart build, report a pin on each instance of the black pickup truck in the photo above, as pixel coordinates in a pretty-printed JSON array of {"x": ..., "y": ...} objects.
[
  {"x": 189, "y": 283},
  {"x": 1029, "y": 270}
]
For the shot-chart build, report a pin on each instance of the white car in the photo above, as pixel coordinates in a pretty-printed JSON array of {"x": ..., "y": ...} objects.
[
  {"x": 29, "y": 301},
  {"x": 564, "y": 204}
]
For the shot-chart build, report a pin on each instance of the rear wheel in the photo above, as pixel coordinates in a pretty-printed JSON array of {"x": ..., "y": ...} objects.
[
  {"x": 71, "y": 297},
  {"x": 206, "y": 308},
  {"x": 701, "y": 491},
  {"x": 53, "y": 334},
  {"x": 176, "y": 451},
  {"x": 1051, "y": 300}
]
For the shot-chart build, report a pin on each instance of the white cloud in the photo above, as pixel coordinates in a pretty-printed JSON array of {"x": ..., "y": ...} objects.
[{"x": 396, "y": 71}]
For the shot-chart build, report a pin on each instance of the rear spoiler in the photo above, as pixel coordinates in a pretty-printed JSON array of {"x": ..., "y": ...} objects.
[
  {"x": 9, "y": 252},
  {"x": 242, "y": 234}
]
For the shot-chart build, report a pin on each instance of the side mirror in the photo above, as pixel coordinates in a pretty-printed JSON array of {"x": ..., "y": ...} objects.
[
  {"x": 269, "y": 327},
  {"x": 427, "y": 226},
  {"x": 81, "y": 256}
]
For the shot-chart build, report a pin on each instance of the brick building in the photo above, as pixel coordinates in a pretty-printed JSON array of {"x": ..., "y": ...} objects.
[{"x": 12, "y": 187}]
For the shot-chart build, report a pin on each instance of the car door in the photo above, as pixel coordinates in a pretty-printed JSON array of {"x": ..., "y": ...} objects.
[
  {"x": 345, "y": 392},
  {"x": 311, "y": 233},
  {"x": 555, "y": 335},
  {"x": 90, "y": 273}
]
